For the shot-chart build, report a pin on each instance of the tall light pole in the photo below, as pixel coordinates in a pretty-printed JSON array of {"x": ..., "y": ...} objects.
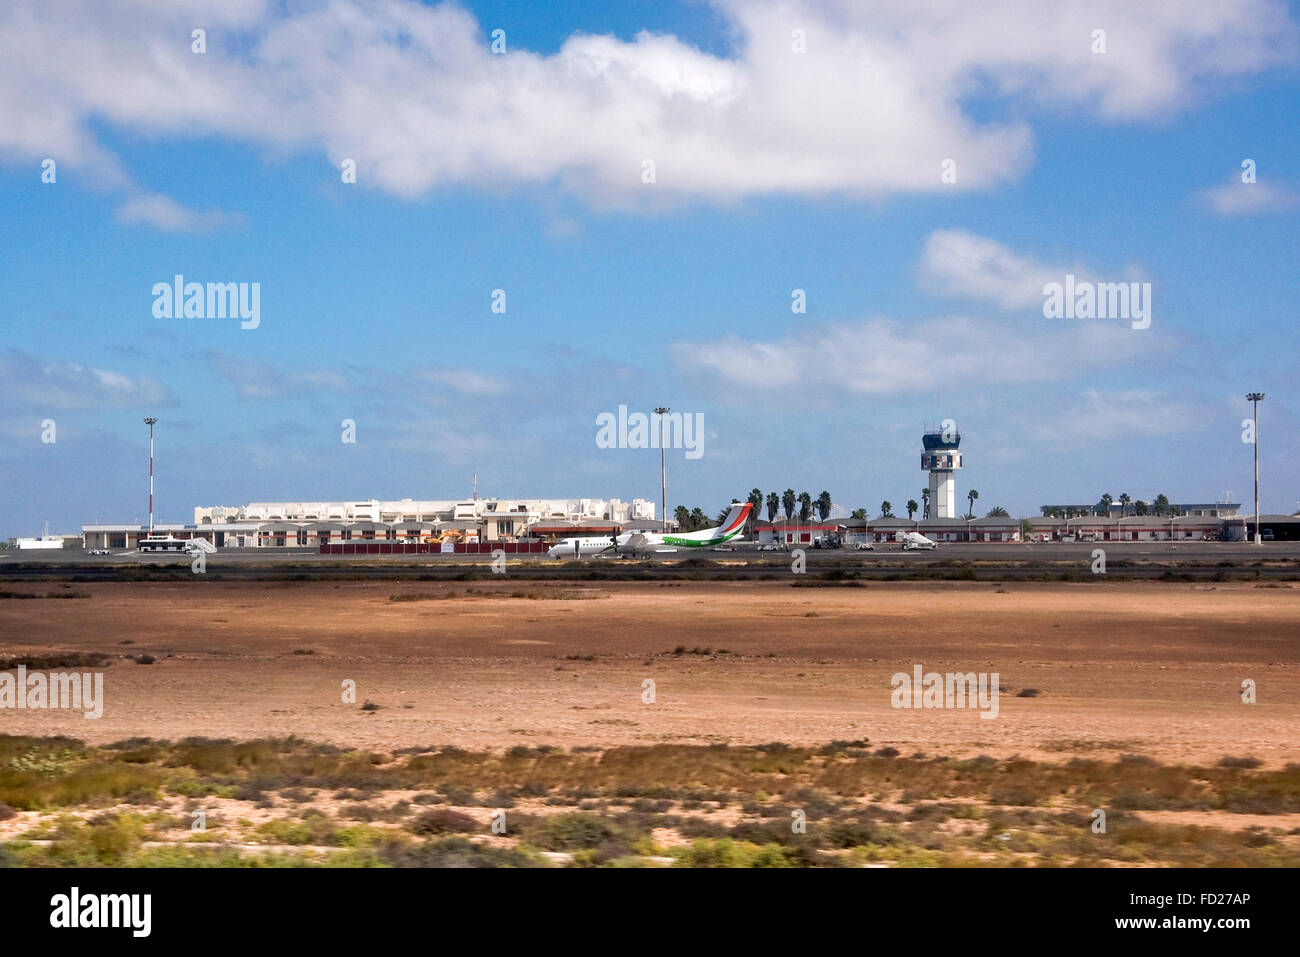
[
  {"x": 661, "y": 411},
  {"x": 150, "y": 421},
  {"x": 1254, "y": 398}
]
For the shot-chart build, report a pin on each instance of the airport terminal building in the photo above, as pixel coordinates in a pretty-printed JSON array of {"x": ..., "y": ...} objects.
[
  {"x": 992, "y": 529},
  {"x": 311, "y": 524},
  {"x": 887, "y": 529},
  {"x": 275, "y": 525}
]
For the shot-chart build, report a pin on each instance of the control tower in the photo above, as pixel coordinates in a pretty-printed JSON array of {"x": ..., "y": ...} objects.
[{"x": 942, "y": 460}]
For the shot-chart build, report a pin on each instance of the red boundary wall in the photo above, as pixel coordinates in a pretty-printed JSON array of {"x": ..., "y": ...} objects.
[{"x": 421, "y": 548}]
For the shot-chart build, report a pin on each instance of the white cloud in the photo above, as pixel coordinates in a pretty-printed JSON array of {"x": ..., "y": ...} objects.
[
  {"x": 413, "y": 94},
  {"x": 968, "y": 266},
  {"x": 255, "y": 379},
  {"x": 68, "y": 386},
  {"x": 1130, "y": 413},
  {"x": 884, "y": 357},
  {"x": 469, "y": 382},
  {"x": 1248, "y": 199},
  {"x": 163, "y": 212},
  {"x": 562, "y": 227}
]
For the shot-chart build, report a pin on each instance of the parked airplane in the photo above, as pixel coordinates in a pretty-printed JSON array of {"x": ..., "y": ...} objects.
[{"x": 655, "y": 543}]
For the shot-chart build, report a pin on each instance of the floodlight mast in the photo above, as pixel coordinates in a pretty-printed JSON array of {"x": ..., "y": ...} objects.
[
  {"x": 661, "y": 411},
  {"x": 1255, "y": 398},
  {"x": 150, "y": 421}
]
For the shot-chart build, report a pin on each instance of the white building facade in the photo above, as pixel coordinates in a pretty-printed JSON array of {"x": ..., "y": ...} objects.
[
  {"x": 520, "y": 512},
  {"x": 309, "y": 524}
]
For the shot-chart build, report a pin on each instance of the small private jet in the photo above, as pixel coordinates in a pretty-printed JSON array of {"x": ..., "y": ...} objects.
[{"x": 655, "y": 543}]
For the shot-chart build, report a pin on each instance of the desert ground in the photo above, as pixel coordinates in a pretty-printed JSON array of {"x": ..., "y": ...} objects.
[
  {"x": 503, "y": 723},
  {"x": 1144, "y": 668}
]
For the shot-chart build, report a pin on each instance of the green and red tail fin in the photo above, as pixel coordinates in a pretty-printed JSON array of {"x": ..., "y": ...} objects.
[{"x": 735, "y": 520}]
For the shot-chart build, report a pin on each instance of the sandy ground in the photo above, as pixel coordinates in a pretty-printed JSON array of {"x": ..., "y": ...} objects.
[{"x": 1122, "y": 667}]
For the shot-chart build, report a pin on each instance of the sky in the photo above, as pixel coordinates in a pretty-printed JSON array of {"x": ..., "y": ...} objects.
[{"x": 821, "y": 227}]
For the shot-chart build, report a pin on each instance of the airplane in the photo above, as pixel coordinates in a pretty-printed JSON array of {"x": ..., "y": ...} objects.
[{"x": 655, "y": 543}]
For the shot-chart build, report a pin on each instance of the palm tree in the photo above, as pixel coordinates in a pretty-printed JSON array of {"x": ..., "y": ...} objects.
[
  {"x": 911, "y": 508},
  {"x": 773, "y": 503},
  {"x": 1124, "y": 501},
  {"x": 805, "y": 506},
  {"x": 998, "y": 512},
  {"x": 824, "y": 505},
  {"x": 970, "y": 499},
  {"x": 1103, "y": 503},
  {"x": 698, "y": 518},
  {"x": 860, "y": 513},
  {"x": 1161, "y": 504},
  {"x": 789, "y": 500},
  {"x": 683, "y": 516},
  {"x": 925, "y": 497},
  {"x": 755, "y": 499},
  {"x": 1140, "y": 507},
  {"x": 886, "y": 510}
]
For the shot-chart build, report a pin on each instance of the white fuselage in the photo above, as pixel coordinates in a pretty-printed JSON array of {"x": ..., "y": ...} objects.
[
  {"x": 585, "y": 547},
  {"x": 591, "y": 546}
]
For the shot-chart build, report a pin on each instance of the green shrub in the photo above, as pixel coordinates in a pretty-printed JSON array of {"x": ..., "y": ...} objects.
[
  {"x": 116, "y": 837},
  {"x": 725, "y": 852},
  {"x": 443, "y": 821},
  {"x": 453, "y": 852},
  {"x": 571, "y": 832}
]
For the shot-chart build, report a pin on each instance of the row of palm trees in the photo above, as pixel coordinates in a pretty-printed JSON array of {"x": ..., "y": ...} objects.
[
  {"x": 1159, "y": 506},
  {"x": 789, "y": 500},
  {"x": 803, "y": 505},
  {"x": 887, "y": 507}
]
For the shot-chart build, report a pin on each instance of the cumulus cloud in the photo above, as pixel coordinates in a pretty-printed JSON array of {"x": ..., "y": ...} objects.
[
  {"x": 31, "y": 383},
  {"x": 413, "y": 94},
  {"x": 163, "y": 212},
  {"x": 881, "y": 356},
  {"x": 968, "y": 266},
  {"x": 1095, "y": 415},
  {"x": 255, "y": 379},
  {"x": 1249, "y": 199}
]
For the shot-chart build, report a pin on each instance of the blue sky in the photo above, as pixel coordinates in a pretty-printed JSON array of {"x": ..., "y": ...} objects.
[{"x": 776, "y": 171}]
